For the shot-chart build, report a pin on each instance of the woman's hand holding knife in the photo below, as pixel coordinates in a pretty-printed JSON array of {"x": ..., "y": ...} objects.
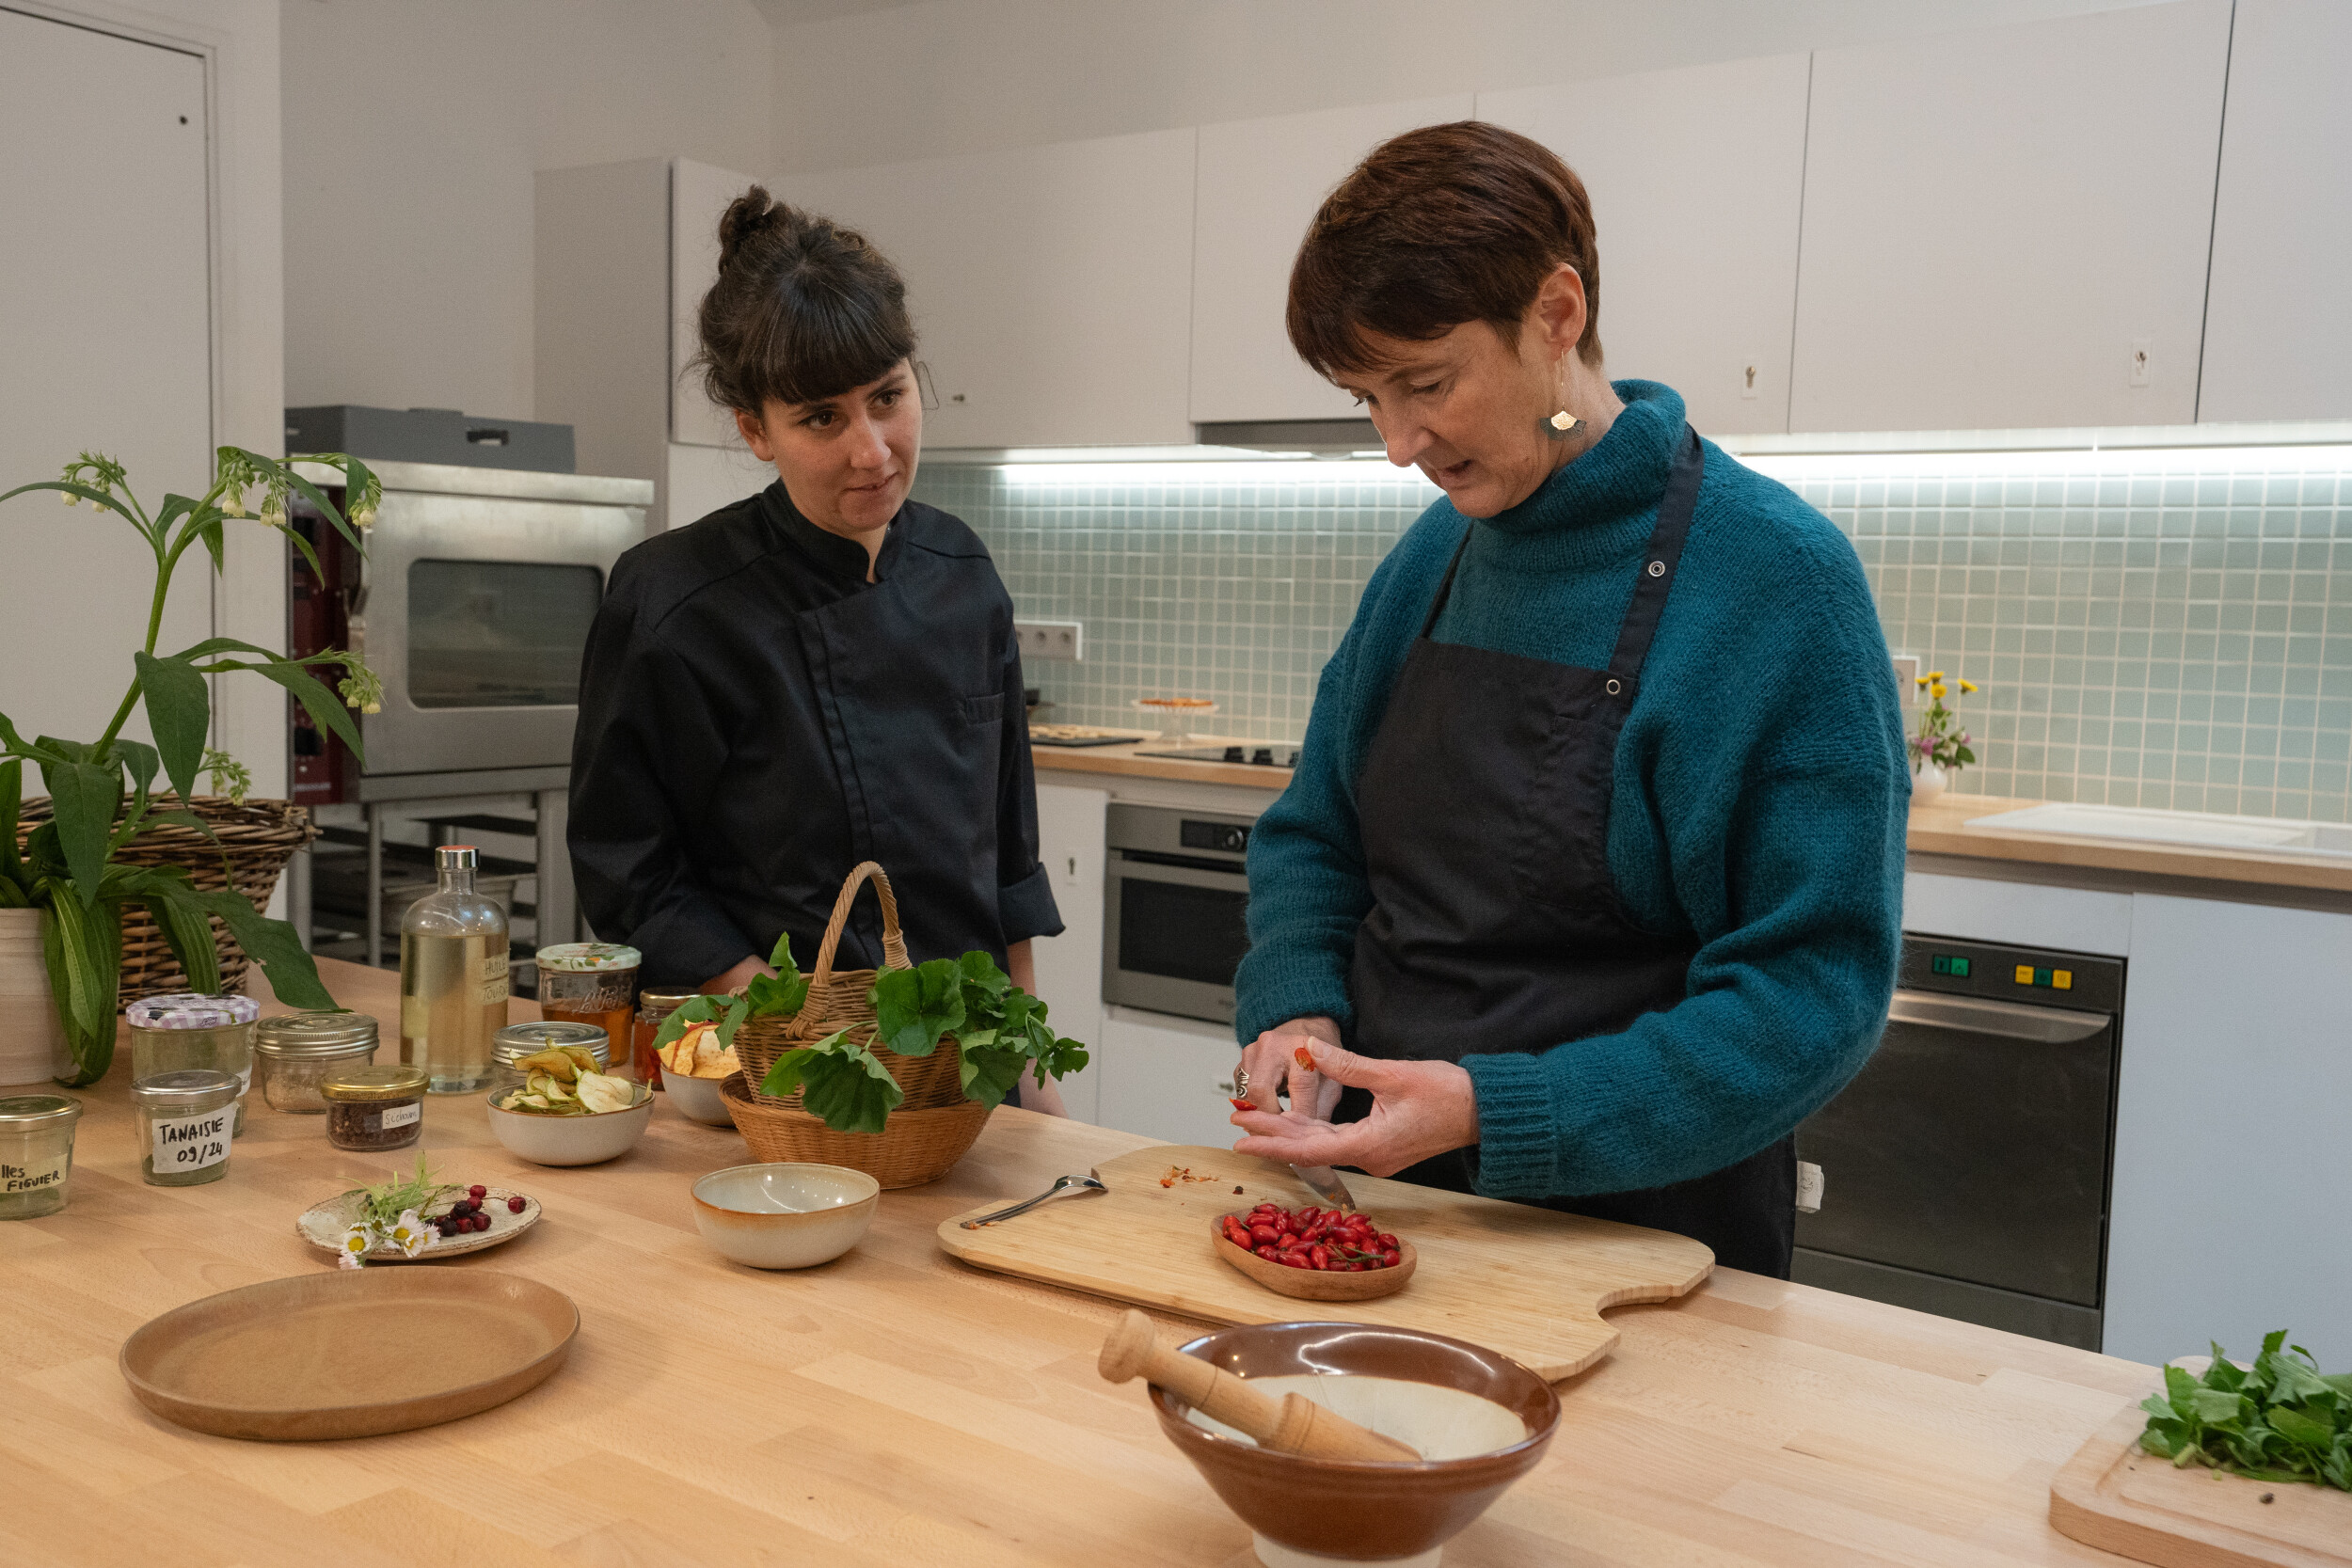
[{"x": 1418, "y": 1109}]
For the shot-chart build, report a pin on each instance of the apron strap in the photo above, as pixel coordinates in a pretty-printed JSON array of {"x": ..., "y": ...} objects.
[
  {"x": 1656, "y": 574},
  {"x": 1445, "y": 584}
]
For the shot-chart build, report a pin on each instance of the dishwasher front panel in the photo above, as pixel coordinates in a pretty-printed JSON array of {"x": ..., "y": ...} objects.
[{"x": 1970, "y": 1157}]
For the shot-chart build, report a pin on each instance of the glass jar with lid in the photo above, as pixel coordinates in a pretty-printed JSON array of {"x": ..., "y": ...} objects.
[
  {"x": 370, "y": 1109},
  {"x": 294, "y": 1052},
  {"x": 187, "y": 1124},
  {"x": 653, "y": 1008},
  {"x": 181, "y": 1031},
  {"x": 35, "y": 1153},
  {"x": 518, "y": 1041},
  {"x": 593, "y": 982}
]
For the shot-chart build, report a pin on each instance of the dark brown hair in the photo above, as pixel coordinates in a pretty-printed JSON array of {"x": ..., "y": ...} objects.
[
  {"x": 803, "y": 309},
  {"x": 1437, "y": 227}
]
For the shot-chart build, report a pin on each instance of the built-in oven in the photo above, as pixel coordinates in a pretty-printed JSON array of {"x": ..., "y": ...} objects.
[
  {"x": 1966, "y": 1171},
  {"x": 472, "y": 603},
  {"x": 1175, "y": 909}
]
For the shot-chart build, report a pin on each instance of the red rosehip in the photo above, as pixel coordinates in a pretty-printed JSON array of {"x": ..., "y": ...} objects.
[{"x": 515, "y": 1204}]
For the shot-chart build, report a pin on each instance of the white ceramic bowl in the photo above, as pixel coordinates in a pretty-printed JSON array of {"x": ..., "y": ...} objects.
[
  {"x": 784, "y": 1216},
  {"x": 573, "y": 1140},
  {"x": 697, "y": 1099}
]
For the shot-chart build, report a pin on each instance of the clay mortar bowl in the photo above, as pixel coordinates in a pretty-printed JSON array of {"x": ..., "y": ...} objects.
[{"x": 1302, "y": 1510}]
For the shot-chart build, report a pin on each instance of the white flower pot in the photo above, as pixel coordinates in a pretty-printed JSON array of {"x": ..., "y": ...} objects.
[
  {"x": 1927, "y": 781},
  {"x": 32, "y": 1041}
]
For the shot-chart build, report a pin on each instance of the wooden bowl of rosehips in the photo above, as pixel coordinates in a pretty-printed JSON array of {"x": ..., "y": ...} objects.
[{"x": 1315, "y": 1254}]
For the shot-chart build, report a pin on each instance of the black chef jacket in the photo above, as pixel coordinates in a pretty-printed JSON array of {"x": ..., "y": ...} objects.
[{"x": 756, "y": 719}]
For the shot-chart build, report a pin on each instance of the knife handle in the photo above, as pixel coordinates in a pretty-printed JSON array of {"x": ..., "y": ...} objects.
[{"x": 1293, "y": 1423}]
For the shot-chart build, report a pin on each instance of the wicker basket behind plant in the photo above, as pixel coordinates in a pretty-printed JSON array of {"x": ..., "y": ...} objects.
[
  {"x": 931, "y": 1128},
  {"x": 257, "y": 838}
]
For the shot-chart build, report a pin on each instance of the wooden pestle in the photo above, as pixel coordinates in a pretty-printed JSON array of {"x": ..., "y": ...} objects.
[{"x": 1293, "y": 1423}]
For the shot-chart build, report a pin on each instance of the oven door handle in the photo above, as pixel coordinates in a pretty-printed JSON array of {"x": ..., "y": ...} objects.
[{"x": 2042, "y": 1025}]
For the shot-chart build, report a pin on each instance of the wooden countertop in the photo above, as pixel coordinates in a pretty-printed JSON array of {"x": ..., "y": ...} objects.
[
  {"x": 895, "y": 1407},
  {"x": 1935, "y": 828}
]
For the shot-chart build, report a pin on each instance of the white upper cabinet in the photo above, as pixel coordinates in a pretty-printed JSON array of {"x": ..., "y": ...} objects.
[
  {"x": 1261, "y": 182},
  {"x": 2278, "y": 333},
  {"x": 2008, "y": 227},
  {"x": 1696, "y": 179},
  {"x": 699, "y": 195},
  {"x": 1047, "y": 283}
]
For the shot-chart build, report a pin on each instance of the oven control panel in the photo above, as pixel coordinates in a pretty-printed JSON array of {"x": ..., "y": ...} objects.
[{"x": 1231, "y": 838}]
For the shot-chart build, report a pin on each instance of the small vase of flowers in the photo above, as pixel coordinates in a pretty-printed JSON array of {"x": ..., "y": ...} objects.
[{"x": 1940, "y": 749}]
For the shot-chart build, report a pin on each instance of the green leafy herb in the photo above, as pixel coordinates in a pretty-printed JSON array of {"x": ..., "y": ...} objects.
[
  {"x": 384, "y": 1204},
  {"x": 916, "y": 1006},
  {"x": 2278, "y": 1420},
  {"x": 842, "y": 1082}
]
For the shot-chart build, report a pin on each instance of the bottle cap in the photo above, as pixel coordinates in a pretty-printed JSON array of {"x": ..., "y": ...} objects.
[{"x": 456, "y": 857}]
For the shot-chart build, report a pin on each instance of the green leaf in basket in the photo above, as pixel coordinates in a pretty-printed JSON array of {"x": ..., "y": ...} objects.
[
  {"x": 842, "y": 1084},
  {"x": 913, "y": 1008},
  {"x": 774, "y": 995}
]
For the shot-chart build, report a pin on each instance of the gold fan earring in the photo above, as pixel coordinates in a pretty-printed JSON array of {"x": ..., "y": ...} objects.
[{"x": 1562, "y": 425}]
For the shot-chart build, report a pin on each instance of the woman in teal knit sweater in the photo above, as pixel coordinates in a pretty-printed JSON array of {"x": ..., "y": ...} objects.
[{"x": 1587, "y": 888}]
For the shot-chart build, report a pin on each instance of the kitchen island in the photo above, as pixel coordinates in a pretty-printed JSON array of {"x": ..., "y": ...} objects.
[{"x": 895, "y": 1407}]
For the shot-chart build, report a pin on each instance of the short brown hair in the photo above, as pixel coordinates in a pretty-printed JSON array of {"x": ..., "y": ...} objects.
[
  {"x": 1437, "y": 227},
  {"x": 804, "y": 309}
]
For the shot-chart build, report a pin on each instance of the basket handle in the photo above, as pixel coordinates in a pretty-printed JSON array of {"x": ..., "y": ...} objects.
[{"x": 894, "y": 946}]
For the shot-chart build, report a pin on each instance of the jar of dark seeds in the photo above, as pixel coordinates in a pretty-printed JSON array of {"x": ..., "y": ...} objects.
[{"x": 370, "y": 1109}]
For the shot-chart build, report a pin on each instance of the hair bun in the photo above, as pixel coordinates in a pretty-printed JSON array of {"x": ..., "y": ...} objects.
[{"x": 747, "y": 216}]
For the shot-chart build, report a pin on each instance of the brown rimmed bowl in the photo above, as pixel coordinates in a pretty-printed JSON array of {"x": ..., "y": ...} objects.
[
  {"x": 1303, "y": 1512},
  {"x": 1316, "y": 1284}
]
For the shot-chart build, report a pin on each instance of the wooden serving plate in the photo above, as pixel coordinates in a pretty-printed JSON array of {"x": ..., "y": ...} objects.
[
  {"x": 1317, "y": 1284},
  {"x": 2116, "y": 1496},
  {"x": 351, "y": 1354}
]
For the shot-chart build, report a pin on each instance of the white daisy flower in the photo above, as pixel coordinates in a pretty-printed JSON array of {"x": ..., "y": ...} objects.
[
  {"x": 410, "y": 1234},
  {"x": 354, "y": 1247}
]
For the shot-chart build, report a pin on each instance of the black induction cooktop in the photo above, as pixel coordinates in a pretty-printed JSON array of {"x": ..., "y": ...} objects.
[{"x": 1249, "y": 756}]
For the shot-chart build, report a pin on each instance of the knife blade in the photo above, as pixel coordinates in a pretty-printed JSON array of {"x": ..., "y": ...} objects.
[{"x": 1324, "y": 1183}]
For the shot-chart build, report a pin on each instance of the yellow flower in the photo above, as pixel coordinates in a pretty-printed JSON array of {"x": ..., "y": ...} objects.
[
  {"x": 1967, "y": 685},
  {"x": 1936, "y": 690},
  {"x": 1923, "y": 681},
  {"x": 1935, "y": 675}
]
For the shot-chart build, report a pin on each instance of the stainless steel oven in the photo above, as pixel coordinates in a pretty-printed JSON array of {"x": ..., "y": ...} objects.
[
  {"x": 1175, "y": 905},
  {"x": 1966, "y": 1171},
  {"x": 472, "y": 604}
]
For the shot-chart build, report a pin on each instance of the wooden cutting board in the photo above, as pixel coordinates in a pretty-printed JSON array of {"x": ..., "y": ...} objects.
[
  {"x": 1526, "y": 1281},
  {"x": 2115, "y": 1495}
]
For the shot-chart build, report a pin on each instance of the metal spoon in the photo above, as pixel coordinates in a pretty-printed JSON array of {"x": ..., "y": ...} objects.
[{"x": 1061, "y": 1183}]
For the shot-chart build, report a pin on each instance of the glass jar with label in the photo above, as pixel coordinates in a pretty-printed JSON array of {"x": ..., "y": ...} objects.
[
  {"x": 187, "y": 1123},
  {"x": 188, "y": 1030},
  {"x": 294, "y": 1052},
  {"x": 593, "y": 982},
  {"x": 35, "y": 1153},
  {"x": 653, "y": 1008},
  {"x": 518, "y": 1041},
  {"x": 370, "y": 1109}
]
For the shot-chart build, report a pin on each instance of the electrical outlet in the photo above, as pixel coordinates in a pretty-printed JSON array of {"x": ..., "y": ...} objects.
[
  {"x": 1907, "y": 678},
  {"x": 1050, "y": 639},
  {"x": 2143, "y": 363}
]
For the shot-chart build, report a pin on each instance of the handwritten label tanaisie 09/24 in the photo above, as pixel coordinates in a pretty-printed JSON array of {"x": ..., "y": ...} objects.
[{"x": 192, "y": 1143}]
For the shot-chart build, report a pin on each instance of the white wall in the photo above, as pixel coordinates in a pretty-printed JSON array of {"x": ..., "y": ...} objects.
[
  {"x": 412, "y": 133},
  {"x": 974, "y": 75}
]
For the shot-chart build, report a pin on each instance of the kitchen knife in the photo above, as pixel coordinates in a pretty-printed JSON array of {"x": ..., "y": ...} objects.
[{"x": 1322, "y": 1180}]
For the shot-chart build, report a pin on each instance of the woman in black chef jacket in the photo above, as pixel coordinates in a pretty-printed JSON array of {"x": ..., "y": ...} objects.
[{"x": 819, "y": 674}]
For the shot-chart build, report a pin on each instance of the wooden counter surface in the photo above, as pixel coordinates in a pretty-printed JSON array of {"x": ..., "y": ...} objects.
[
  {"x": 1935, "y": 828},
  {"x": 895, "y": 1407}
]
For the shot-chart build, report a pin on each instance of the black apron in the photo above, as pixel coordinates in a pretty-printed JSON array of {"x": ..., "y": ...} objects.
[{"x": 1496, "y": 924}]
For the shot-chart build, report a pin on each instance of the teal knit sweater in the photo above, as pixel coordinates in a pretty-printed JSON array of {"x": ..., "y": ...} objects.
[{"x": 1759, "y": 806}]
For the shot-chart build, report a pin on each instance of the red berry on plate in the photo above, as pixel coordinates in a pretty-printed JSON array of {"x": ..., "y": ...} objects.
[
  {"x": 515, "y": 1204},
  {"x": 477, "y": 1192}
]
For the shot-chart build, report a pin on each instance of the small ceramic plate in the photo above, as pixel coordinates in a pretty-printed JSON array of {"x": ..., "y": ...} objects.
[
  {"x": 323, "y": 1225},
  {"x": 1317, "y": 1284}
]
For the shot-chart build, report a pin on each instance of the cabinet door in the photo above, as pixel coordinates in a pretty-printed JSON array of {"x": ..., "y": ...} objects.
[
  {"x": 2000, "y": 223},
  {"x": 1697, "y": 180},
  {"x": 2231, "y": 1185},
  {"x": 1070, "y": 822},
  {"x": 106, "y": 345},
  {"x": 1261, "y": 182},
  {"x": 1168, "y": 1077},
  {"x": 699, "y": 195},
  {"x": 1048, "y": 284},
  {"x": 2278, "y": 338}
]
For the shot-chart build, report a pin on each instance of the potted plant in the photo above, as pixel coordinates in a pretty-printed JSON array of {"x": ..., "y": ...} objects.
[
  {"x": 101, "y": 792},
  {"x": 1940, "y": 750}
]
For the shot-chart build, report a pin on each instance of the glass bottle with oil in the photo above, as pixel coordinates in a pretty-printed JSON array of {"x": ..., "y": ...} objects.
[{"x": 452, "y": 976}]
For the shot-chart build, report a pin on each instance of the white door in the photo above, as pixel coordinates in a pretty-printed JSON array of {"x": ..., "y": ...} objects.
[
  {"x": 2278, "y": 334},
  {"x": 1261, "y": 182},
  {"x": 1048, "y": 284},
  {"x": 105, "y": 344},
  {"x": 1697, "y": 180},
  {"x": 1999, "y": 224},
  {"x": 1170, "y": 1078},
  {"x": 1069, "y": 826}
]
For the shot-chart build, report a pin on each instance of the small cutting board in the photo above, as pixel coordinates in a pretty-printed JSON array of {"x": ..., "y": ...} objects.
[
  {"x": 1526, "y": 1281},
  {"x": 2116, "y": 1496}
]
